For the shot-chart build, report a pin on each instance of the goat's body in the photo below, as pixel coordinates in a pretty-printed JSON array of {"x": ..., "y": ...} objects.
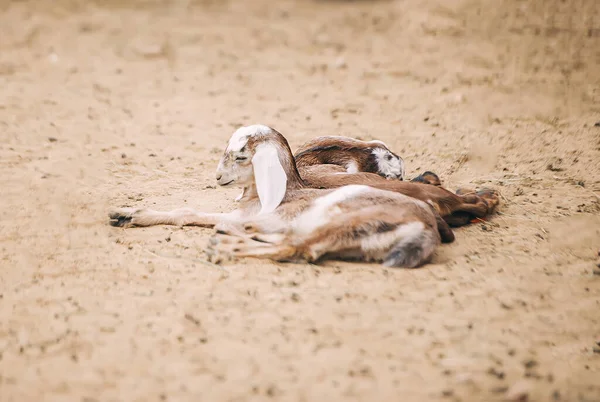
[{"x": 353, "y": 222}]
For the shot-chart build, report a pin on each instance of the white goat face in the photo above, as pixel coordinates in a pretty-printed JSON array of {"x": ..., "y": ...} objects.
[
  {"x": 390, "y": 165},
  {"x": 248, "y": 162},
  {"x": 235, "y": 168}
]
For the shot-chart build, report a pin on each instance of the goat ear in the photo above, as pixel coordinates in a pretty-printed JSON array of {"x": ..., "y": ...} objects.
[{"x": 269, "y": 176}]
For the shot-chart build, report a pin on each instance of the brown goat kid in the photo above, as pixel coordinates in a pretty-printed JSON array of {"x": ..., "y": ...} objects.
[{"x": 351, "y": 154}]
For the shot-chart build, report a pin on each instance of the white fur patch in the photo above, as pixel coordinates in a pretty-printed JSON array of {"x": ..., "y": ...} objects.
[
  {"x": 239, "y": 139},
  {"x": 382, "y": 242},
  {"x": 352, "y": 167},
  {"x": 323, "y": 208},
  {"x": 378, "y": 143},
  {"x": 392, "y": 168}
]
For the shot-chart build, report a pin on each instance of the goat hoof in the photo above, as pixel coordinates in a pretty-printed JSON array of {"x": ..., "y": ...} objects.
[
  {"x": 121, "y": 217},
  {"x": 491, "y": 197},
  {"x": 458, "y": 218},
  {"x": 428, "y": 178}
]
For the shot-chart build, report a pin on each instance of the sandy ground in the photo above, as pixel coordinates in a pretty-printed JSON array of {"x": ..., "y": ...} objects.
[{"x": 109, "y": 104}]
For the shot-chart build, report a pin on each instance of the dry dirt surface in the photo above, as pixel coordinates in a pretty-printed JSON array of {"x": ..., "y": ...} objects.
[{"x": 108, "y": 103}]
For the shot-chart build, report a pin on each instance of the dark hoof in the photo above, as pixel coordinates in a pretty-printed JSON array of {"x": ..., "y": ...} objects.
[
  {"x": 119, "y": 219},
  {"x": 122, "y": 217},
  {"x": 491, "y": 197},
  {"x": 121, "y": 222},
  {"x": 428, "y": 178},
  {"x": 458, "y": 219}
]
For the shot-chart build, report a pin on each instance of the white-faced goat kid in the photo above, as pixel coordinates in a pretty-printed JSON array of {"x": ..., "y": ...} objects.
[
  {"x": 279, "y": 218},
  {"x": 351, "y": 154}
]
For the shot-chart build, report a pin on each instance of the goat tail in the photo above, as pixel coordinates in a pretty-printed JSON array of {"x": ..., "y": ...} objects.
[{"x": 414, "y": 248}]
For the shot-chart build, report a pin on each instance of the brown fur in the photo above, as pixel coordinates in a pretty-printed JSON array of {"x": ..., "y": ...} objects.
[
  {"x": 341, "y": 151},
  {"x": 445, "y": 202}
]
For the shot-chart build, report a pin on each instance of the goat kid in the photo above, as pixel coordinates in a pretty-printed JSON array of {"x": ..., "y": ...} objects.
[
  {"x": 351, "y": 154},
  {"x": 281, "y": 219},
  {"x": 355, "y": 156}
]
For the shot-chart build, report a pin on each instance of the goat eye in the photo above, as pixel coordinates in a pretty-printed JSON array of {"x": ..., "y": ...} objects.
[
  {"x": 241, "y": 158},
  {"x": 389, "y": 157}
]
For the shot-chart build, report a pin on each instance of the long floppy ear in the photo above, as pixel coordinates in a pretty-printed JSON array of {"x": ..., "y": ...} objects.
[{"x": 269, "y": 176}]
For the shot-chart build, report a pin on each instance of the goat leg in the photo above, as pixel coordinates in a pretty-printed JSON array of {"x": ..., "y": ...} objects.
[{"x": 132, "y": 217}]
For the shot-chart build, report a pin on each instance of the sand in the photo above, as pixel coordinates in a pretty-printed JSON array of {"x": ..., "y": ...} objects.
[{"x": 108, "y": 103}]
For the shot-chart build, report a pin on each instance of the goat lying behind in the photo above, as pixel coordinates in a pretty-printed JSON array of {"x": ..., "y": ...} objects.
[
  {"x": 351, "y": 154},
  {"x": 280, "y": 218},
  {"x": 355, "y": 156}
]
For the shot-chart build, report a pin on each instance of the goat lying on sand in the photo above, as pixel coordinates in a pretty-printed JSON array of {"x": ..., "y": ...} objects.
[
  {"x": 280, "y": 218},
  {"x": 351, "y": 154},
  {"x": 355, "y": 156}
]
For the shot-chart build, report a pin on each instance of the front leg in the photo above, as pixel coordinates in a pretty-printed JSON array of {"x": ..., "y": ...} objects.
[{"x": 132, "y": 217}]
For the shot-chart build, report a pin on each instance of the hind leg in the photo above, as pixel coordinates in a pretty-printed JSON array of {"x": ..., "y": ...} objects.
[
  {"x": 413, "y": 248},
  {"x": 473, "y": 204},
  {"x": 396, "y": 244}
]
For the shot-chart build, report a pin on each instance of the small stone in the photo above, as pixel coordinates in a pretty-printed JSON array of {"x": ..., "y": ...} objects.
[
  {"x": 597, "y": 124},
  {"x": 447, "y": 393},
  {"x": 529, "y": 364},
  {"x": 555, "y": 165},
  {"x": 123, "y": 156},
  {"x": 52, "y": 139},
  {"x": 496, "y": 373}
]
